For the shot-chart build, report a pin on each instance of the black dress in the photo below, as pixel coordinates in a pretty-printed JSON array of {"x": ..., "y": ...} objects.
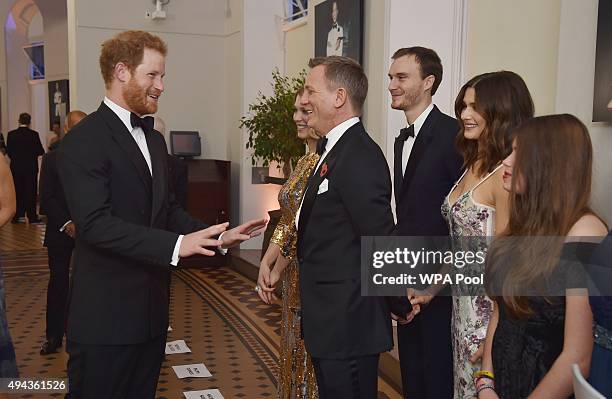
[{"x": 524, "y": 349}]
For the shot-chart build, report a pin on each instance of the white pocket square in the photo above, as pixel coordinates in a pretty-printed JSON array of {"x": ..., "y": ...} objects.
[{"x": 323, "y": 187}]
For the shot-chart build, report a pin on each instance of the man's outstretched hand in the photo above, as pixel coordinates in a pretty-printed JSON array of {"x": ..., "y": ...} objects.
[
  {"x": 196, "y": 242},
  {"x": 244, "y": 232}
]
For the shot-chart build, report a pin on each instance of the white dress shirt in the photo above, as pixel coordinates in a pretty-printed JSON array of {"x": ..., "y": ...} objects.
[
  {"x": 139, "y": 136},
  {"x": 137, "y": 133},
  {"x": 334, "y": 34},
  {"x": 332, "y": 138},
  {"x": 409, "y": 143}
]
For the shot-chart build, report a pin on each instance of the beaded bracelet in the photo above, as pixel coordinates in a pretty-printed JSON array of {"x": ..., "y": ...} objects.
[
  {"x": 487, "y": 382},
  {"x": 483, "y": 387}
]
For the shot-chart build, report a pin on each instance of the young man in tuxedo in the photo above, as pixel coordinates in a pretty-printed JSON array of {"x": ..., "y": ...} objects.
[
  {"x": 347, "y": 197},
  {"x": 426, "y": 165},
  {"x": 130, "y": 231},
  {"x": 59, "y": 240},
  {"x": 23, "y": 147}
]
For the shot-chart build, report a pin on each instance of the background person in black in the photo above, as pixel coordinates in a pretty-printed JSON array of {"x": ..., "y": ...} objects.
[
  {"x": 177, "y": 168},
  {"x": 348, "y": 196},
  {"x": 426, "y": 165},
  {"x": 23, "y": 147},
  {"x": 130, "y": 231},
  {"x": 59, "y": 240},
  {"x": 53, "y": 141}
]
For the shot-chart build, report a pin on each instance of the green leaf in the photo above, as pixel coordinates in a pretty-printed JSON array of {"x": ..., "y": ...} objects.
[{"x": 269, "y": 121}]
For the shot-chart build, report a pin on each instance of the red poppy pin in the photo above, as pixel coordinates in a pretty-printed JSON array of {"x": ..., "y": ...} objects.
[{"x": 323, "y": 170}]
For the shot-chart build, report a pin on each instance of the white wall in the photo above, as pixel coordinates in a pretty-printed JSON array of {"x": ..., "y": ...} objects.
[
  {"x": 38, "y": 108},
  {"x": 262, "y": 52},
  {"x": 520, "y": 36},
  {"x": 5, "y": 6},
  {"x": 299, "y": 47},
  {"x": 575, "y": 75},
  {"x": 36, "y": 28},
  {"x": 235, "y": 64},
  {"x": 55, "y": 36},
  {"x": 195, "y": 89},
  {"x": 17, "y": 70}
]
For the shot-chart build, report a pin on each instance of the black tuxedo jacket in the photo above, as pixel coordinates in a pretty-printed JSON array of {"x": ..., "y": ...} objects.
[
  {"x": 23, "y": 147},
  {"x": 433, "y": 167},
  {"x": 337, "y": 321},
  {"x": 127, "y": 226},
  {"x": 53, "y": 203},
  {"x": 178, "y": 178}
]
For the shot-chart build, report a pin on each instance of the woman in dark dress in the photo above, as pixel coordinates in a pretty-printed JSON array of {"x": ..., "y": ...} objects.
[
  {"x": 542, "y": 321},
  {"x": 601, "y": 364}
]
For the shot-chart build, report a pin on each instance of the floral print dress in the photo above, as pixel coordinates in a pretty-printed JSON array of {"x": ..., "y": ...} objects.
[{"x": 471, "y": 309}]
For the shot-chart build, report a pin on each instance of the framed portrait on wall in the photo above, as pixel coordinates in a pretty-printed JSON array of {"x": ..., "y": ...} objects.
[
  {"x": 59, "y": 102},
  {"x": 339, "y": 29},
  {"x": 602, "y": 95}
]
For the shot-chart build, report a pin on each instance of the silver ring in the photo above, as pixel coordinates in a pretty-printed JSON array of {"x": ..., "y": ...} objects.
[{"x": 257, "y": 288}]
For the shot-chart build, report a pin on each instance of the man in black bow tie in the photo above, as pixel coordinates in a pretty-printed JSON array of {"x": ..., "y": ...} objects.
[
  {"x": 347, "y": 197},
  {"x": 335, "y": 37},
  {"x": 130, "y": 231},
  {"x": 59, "y": 240},
  {"x": 426, "y": 165}
]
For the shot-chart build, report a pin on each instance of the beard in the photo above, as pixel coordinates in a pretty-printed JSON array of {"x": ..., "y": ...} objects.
[
  {"x": 409, "y": 99},
  {"x": 136, "y": 98}
]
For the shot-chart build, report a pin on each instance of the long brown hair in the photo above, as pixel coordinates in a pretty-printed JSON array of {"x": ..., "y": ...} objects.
[
  {"x": 550, "y": 192},
  {"x": 504, "y": 101}
]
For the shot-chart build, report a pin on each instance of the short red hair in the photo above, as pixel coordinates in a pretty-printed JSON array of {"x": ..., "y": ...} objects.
[{"x": 127, "y": 47}]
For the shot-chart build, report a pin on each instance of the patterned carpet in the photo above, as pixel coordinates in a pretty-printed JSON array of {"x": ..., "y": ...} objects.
[{"x": 214, "y": 310}]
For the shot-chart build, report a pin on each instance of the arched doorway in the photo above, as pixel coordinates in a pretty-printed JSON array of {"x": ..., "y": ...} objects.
[
  {"x": 36, "y": 52},
  {"x": 24, "y": 29}
]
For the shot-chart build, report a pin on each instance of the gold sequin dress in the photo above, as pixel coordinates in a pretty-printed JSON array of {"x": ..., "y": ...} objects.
[{"x": 296, "y": 378}]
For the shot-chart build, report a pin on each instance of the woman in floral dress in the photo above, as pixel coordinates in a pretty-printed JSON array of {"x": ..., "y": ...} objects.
[{"x": 489, "y": 107}]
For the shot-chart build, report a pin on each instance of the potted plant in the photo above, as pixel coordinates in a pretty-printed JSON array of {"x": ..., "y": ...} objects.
[{"x": 273, "y": 134}]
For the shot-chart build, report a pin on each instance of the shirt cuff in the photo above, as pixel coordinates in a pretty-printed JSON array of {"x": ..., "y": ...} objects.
[
  {"x": 175, "y": 254},
  {"x": 64, "y": 226},
  {"x": 222, "y": 251}
]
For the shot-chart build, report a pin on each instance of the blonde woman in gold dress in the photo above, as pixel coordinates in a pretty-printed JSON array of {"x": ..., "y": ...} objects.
[{"x": 296, "y": 376}]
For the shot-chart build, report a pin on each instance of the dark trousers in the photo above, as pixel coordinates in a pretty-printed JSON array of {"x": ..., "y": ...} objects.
[
  {"x": 114, "y": 371},
  {"x": 25, "y": 192},
  {"x": 57, "y": 291},
  {"x": 426, "y": 352},
  {"x": 355, "y": 378}
]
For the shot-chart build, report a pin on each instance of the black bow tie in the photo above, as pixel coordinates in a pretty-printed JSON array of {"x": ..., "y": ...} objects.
[
  {"x": 405, "y": 133},
  {"x": 145, "y": 123},
  {"x": 335, "y": 26},
  {"x": 321, "y": 144}
]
